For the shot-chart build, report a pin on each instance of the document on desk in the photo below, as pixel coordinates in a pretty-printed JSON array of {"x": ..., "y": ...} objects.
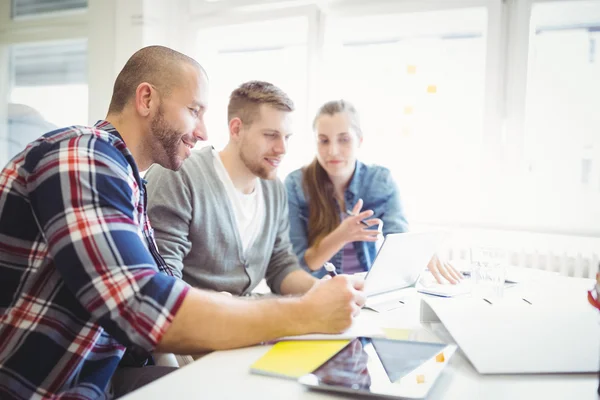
[
  {"x": 360, "y": 327},
  {"x": 521, "y": 335},
  {"x": 427, "y": 284},
  {"x": 444, "y": 289}
]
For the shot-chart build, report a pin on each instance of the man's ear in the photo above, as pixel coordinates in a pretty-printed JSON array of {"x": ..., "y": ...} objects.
[
  {"x": 235, "y": 127},
  {"x": 360, "y": 141},
  {"x": 144, "y": 96}
]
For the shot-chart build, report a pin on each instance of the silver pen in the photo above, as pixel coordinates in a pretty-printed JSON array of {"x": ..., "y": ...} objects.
[
  {"x": 330, "y": 268},
  {"x": 351, "y": 214}
]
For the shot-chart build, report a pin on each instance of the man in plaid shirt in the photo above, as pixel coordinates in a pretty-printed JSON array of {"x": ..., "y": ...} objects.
[{"x": 82, "y": 281}]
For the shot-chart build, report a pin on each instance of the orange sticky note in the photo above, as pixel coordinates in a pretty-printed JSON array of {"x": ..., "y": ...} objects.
[
  {"x": 420, "y": 378},
  {"x": 411, "y": 69},
  {"x": 432, "y": 89},
  {"x": 440, "y": 357}
]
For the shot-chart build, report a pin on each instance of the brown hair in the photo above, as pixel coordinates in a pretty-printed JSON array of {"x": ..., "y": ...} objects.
[
  {"x": 157, "y": 65},
  {"x": 323, "y": 209},
  {"x": 245, "y": 101}
]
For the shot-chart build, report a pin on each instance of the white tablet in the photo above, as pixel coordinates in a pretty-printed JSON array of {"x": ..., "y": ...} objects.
[{"x": 382, "y": 367}]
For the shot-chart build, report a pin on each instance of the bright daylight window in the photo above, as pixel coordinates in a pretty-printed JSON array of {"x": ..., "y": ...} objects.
[
  {"x": 417, "y": 80},
  {"x": 21, "y": 8},
  {"x": 48, "y": 89},
  {"x": 234, "y": 54},
  {"x": 562, "y": 127}
]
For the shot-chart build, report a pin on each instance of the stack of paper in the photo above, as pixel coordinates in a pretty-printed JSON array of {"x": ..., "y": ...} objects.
[{"x": 552, "y": 330}]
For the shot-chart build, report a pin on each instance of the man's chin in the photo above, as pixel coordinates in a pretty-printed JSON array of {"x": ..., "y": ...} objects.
[
  {"x": 173, "y": 164},
  {"x": 272, "y": 176},
  {"x": 267, "y": 175}
]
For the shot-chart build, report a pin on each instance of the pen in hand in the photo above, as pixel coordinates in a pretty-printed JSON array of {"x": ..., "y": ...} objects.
[
  {"x": 330, "y": 268},
  {"x": 351, "y": 214}
]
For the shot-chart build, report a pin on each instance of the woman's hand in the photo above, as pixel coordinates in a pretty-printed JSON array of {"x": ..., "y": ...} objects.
[
  {"x": 440, "y": 270},
  {"x": 355, "y": 228}
]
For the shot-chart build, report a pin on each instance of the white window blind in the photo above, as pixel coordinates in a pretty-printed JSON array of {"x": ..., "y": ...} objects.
[
  {"x": 48, "y": 89},
  {"x": 22, "y": 8},
  {"x": 54, "y": 64}
]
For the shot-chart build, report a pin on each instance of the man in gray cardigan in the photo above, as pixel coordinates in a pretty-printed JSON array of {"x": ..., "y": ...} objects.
[{"x": 222, "y": 219}]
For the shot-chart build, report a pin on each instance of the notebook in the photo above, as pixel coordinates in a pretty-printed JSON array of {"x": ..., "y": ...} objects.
[{"x": 296, "y": 358}]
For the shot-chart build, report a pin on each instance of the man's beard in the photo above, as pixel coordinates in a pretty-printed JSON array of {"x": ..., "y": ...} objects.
[
  {"x": 255, "y": 166},
  {"x": 165, "y": 146}
]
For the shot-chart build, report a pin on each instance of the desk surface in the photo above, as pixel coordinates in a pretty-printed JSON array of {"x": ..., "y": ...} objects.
[{"x": 225, "y": 374}]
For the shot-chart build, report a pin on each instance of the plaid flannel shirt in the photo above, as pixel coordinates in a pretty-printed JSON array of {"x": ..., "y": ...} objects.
[{"x": 81, "y": 277}]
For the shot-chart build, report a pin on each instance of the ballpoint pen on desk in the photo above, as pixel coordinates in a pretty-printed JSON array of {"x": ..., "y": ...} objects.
[
  {"x": 351, "y": 214},
  {"x": 330, "y": 268}
]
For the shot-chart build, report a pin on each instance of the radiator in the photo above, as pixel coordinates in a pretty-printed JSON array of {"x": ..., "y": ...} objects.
[{"x": 568, "y": 255}]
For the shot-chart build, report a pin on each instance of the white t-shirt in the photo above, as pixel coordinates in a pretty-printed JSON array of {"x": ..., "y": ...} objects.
[{"x": 249, "y": 209}]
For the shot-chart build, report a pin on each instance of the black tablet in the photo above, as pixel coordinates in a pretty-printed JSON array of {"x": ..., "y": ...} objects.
[{"x": 382, "y": 367}]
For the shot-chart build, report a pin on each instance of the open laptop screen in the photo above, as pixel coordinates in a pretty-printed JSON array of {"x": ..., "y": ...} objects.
[{"x": 401, "y": 259}]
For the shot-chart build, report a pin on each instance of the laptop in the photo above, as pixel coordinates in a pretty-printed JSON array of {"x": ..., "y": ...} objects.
[
  {"x": 399, "y": 263},
  {"x": 382, "y": 368}
]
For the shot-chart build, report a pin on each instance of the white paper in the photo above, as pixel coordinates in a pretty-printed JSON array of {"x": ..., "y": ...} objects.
[{"x": 360, "y": 327}]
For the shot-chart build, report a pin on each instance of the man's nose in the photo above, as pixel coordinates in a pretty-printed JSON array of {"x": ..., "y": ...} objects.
[
  {"x": 280, "y": 146},
  {"x": 200, "y": 130}
]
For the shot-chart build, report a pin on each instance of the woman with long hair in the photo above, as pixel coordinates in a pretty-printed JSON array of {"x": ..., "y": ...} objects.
[{"x": 339, "y": 206}]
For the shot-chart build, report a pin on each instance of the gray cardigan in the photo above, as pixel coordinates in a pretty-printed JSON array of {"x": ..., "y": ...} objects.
[{"x": 196, "y": 232}]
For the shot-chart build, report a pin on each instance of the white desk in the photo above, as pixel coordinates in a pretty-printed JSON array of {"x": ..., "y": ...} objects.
[{"x": 225, "y": 374}]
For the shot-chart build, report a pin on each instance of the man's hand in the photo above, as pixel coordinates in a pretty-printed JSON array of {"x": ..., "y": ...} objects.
[
  {"x": 332, "y": 303},
  {"x": 443, "y": 270}
]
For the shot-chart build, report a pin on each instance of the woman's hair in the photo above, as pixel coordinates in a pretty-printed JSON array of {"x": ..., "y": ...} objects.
[
  {"x": 323, "y": 216},
  {"x": 340, "y": 106}
]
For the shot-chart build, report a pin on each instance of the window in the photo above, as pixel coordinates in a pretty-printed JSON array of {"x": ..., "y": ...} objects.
[
  {"x": 48, "y": 90},
  {"x": 417, "y": 80},
  {"x": 22, "y": 8},
  {"x": 234, "y": 54},
  {"x": 562, "y": 120}
]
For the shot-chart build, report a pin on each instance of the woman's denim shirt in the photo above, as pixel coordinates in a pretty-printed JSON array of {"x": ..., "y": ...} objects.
[{"x": 372, "y": 183}]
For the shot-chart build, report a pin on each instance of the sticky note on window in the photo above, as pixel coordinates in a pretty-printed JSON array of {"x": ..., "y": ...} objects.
[
  {"x": 440, "y": 358},
  {"x": 408, "y": 110},
  {"x": 420, "y": 378},
  {"x": 411, "y": 69},
  {"x": 432, "y": 89}
]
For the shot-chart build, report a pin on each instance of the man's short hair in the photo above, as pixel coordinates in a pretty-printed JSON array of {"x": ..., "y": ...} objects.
[
  {"x": 245, "y": 101},
  {"x": 157, "y": 65}
]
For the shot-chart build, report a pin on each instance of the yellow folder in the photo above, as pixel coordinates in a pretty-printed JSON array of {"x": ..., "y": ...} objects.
[{"x": 296, "y": 358}]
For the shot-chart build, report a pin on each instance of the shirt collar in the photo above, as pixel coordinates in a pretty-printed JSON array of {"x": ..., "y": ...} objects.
[
  {"x": 354, "y": 185},
  {"x": 108, "y": 127}
]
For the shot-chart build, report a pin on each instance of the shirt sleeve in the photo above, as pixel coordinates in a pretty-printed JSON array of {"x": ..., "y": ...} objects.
[
  {"x": 85, "y": 198},
  {"x": 394, "y": 220},
  {"x": 283, "y": 261},
  {"x": 298, "y": 225},
  {"x": 170, "y": 213}
]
